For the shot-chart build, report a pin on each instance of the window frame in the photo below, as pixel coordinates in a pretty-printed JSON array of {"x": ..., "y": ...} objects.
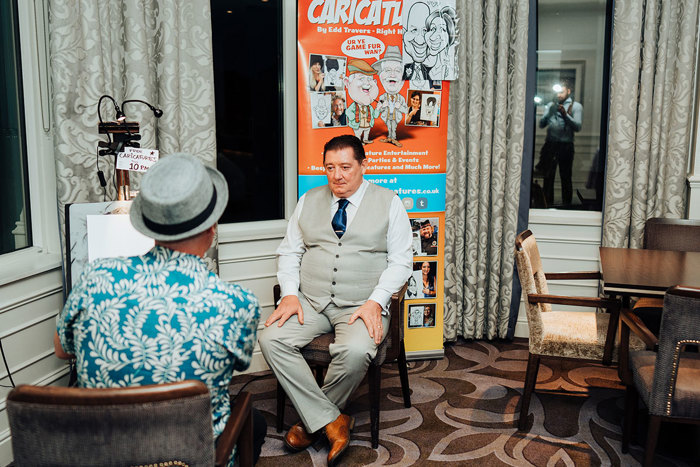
[
  {"x": 44, "y": 254},
  {"x": 277, "y": 227},
  {"x": 566, "y": 216}
]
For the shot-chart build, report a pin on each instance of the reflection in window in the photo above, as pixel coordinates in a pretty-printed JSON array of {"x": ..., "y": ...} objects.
[
  {"x": 570, "y": 105},
  {"x": 247, "y": 51},
  {"x": 14, "y": 198}
]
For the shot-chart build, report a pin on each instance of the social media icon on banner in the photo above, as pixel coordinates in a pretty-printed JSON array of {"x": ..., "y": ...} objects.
[
  {"x": 422, "y": 203},
  {"x": 407, "y": 203}
]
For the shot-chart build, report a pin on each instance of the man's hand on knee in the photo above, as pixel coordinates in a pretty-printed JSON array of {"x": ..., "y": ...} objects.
[
  {"x": 371, "y": 314},
  {"x": 288, "y": 307}
]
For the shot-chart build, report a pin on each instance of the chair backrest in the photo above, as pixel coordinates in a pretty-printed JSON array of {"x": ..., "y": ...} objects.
[
  {"x": 672, "y": 234},
  {"x": 532, "y": 280},
  {"x": 54, "y": 426},
  {"x": 680, "y": 325}
]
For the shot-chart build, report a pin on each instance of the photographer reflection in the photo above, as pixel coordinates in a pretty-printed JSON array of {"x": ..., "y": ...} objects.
[{"x": 562, "y": 117}]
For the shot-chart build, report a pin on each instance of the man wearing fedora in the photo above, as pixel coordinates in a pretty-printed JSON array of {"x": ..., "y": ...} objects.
[
  {"x": 392, "y": 105},
  {"x": 346, "y": 251},
  {"x": 163, "y": 316}
]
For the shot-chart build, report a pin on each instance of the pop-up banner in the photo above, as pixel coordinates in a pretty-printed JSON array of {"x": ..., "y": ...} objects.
[{"x": 378, "y": 70}]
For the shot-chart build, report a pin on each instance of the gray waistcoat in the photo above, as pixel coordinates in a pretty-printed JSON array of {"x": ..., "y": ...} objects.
[{"x": 346, "y": 270}]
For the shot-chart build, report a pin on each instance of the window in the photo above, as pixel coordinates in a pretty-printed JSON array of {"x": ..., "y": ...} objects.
[
  {"x": 25, "y": 112},
  {"x": 571, "y": 104},
  {"x": 247, "y": 48},
  {"x": 15, "y": 228}
]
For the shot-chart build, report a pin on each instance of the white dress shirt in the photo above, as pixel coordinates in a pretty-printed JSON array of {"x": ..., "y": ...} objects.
[{"x": 398, "y": 240}]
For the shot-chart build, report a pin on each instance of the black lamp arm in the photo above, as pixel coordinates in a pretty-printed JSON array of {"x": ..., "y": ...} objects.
[
  {"x": 156, "y": 111},
  {"x": 117, "y": 110}
]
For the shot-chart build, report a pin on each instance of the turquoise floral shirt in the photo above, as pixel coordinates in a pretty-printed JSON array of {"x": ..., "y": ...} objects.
[{"x": 159, "y": 318}]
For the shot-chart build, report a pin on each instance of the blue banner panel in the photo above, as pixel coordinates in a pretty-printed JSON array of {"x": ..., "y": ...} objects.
[{"x": 419, "y": 192}]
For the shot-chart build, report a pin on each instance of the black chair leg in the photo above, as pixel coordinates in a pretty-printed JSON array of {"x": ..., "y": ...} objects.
[
  {"x": 403, "y": 374},
  {"x": 652, "y": 437},
  {"x": 611, "y": 335},
  {"x": 533, "y": 365},
  {"x": 630, "y": 417},
  {"x": 281, "y": 399},
  {"x": 319, "y": 375},
  {"x": 375, "y": 387}
]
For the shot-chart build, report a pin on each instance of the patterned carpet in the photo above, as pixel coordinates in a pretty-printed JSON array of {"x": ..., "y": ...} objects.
[{"x": 465, "y": 408}]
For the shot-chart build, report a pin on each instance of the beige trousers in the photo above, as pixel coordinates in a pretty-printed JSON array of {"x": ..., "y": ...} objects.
[{"x": 351, "y": 354}]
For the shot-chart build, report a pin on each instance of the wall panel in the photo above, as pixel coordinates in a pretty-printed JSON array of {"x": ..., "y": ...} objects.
[
  {"x": 250, "y": 261},
  {"x": 28, "y": 309}
]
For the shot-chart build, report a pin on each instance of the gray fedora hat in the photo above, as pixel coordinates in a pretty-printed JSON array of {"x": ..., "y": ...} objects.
[
  {"x": 179, "y": 198},
  {"x": 393, "y": 53}
]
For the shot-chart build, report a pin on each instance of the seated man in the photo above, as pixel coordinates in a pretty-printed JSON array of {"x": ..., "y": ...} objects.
[
  {"x": 163, "y": 316},
  {"x": 347, "y": 250}
]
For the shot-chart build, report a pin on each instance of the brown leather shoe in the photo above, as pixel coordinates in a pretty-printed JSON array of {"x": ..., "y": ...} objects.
[
  {"x": 298, "y": 439},
  {"x": 338, "y": 434}
]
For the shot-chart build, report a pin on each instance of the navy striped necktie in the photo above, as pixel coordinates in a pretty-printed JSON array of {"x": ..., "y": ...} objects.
[{"x": 340, "y": 219}]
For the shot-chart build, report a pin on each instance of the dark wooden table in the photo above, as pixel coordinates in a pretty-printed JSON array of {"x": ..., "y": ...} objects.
[{"x": 647, "y": 273}]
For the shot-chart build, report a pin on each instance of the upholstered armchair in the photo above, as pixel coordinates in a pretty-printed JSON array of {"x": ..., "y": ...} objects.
[
  {"x": 167, "y": 424},
  {"x": 585, "y": 335},
  {"x": 392, "y": 348},
  {"x": 667, "y": 380}
]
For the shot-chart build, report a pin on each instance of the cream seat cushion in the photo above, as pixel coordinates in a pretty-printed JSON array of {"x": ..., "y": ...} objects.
[{"x": 576, "y": 334}]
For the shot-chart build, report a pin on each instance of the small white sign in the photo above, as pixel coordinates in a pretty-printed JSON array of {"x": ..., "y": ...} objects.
[{"x": 137, "y": 159}]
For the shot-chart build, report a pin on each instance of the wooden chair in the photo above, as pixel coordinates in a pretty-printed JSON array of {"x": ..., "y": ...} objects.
[
  {"x": 392, "y": 348},
  {"x": 141, "y": 425},
  {"x": 562, "y": 334},
  {"x": 665, "y": 234},
  {"x": 667, "y": 380}
]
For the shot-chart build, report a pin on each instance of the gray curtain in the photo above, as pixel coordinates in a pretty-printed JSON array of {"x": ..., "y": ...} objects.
[
  {"x": 484, "y": 158},
  {"x": 156, "y": 50},
  {"x": 651, "y": 106}
]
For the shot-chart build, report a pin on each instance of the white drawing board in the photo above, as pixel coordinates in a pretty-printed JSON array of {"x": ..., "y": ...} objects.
[{"x": 111, "y": 236}]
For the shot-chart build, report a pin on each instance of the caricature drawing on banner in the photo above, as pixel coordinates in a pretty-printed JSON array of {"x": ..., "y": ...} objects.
[
  {"x": 415, "y": 316},
  {"x": 334, "y": 73},
  {"x": 392, "y": 105},
  {"x": 424, "y": 108},
  {"x": 361, "y": 86},
  {"x": 321, "y": 109},
  {"x": 423, "y": 283},
  {"x": 430, "y": 38},
  {"x": 429, "y": 108}
]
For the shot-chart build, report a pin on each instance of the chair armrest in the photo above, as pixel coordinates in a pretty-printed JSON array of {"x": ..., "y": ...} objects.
[
  {"x": 396, "y": 323},
  {"x": 636, "y": 325},
  {"x": 276, "y": 293},
  {"x": 396, "y": 305},
  {"x": 630, "y": 321},
  {"x": 238, "y": 426},
  {"x": 554, "y": 276},
  {"x": 575, "y": 301},
  {"x": 400, "y": 294}
]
